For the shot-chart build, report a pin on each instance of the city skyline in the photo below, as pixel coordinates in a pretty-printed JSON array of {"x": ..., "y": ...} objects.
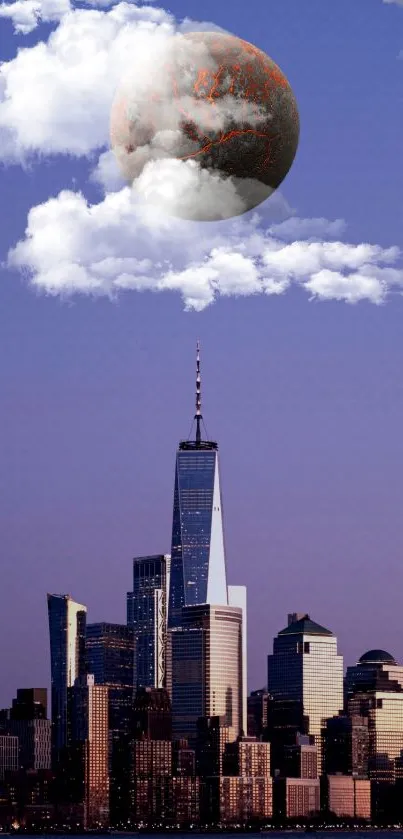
[
  {"x": 323, "y": 753},
  {"x": 304, "y": 398},
  {"x": 224, "y": 586},
  {"x": 147, "y": 607}
]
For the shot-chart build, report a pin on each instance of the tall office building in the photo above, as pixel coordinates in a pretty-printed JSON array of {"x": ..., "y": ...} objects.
[
  {"x": 306, "y": 671},
  {"x": 206, "y": 660},
  {"x": 110, "y": 650},
  {"x": 375, "y": 670},
  {"x": 89, "y": 750},
  {"x": 151, "y": 756},
  {"x": 374, "y": 692},
  {"x": 384, "y": 711},
  {"x": 207, "y": 669},
  {"x": 110, "y": 656},
  {"x": 147, "y": 617},
  {"x": 67, "y": 620},
  {"x": 198, "y": 569}
]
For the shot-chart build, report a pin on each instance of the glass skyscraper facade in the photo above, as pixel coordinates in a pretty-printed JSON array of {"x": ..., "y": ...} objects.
[
  {"x": 110, "y": 657},
  {"x": 110, "y": 651},
  {"x": 306, "y": 669},
  {"x": 147, "y": 618},
  {"x": 67, "y": 623},
  {"x": 206, "y": 660},
  {"x": 198, "y": 573}
]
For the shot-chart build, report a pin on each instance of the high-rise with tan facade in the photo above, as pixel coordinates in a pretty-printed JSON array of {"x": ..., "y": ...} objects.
[
  {"x": 375, "y": 694},
  {"x": 207, "y": 669},
  {"x": 89, "y": 749},
  {"x": 305, "y": 668}
]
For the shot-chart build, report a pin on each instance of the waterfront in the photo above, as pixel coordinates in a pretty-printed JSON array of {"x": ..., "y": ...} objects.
[{"x": 376, "y": 833}]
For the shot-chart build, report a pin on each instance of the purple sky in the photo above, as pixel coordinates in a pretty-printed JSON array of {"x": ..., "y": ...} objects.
[{"x": 305, "y": 398}]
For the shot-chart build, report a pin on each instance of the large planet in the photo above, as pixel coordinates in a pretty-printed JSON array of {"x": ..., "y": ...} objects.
[{"x": 215, "y": 112}]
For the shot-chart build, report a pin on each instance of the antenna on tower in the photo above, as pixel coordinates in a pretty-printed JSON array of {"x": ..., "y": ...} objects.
[{"x": 198, "y": 414}]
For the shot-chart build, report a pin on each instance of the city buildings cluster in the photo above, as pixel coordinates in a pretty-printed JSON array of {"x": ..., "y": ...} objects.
[{"x": 151, "y": 724}]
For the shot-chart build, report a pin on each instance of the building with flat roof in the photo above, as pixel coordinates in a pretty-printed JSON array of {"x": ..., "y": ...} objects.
[
  {"x": 89, "y": 750},
  {"x": 147, "y": 616},
  {"x": 207, "y": 669},
  {"x": 346, "y": 797},
  {"x": 237, "y": 800},
  {"x": 295, "y": 798}
]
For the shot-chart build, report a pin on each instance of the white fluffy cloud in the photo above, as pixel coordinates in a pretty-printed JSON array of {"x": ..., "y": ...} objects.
[
  {"x": 55, "y": 97},
  {"x": 184, "y": 189},
  {"x": 27, "y": 14},
  {"x": 72, "y": 247}
]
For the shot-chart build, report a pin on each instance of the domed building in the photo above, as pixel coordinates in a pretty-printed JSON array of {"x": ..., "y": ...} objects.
[
  {"x": 374, "y": 693},
  {"x": 375, "y": 670},
  {"x": 367, "y": 740},
  {"x": 377, "y": 657}
]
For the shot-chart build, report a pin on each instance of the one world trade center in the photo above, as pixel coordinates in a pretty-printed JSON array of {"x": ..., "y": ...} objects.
[
  {"x": 206, "y": 662},
  {"x": 198, "y": 572}
]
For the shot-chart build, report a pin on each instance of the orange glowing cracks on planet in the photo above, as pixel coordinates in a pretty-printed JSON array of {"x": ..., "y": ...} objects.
[{"x": 216, "y": 100}]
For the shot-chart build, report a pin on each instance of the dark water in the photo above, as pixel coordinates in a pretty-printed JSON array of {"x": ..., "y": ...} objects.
[{"x": 275, "y": 834}]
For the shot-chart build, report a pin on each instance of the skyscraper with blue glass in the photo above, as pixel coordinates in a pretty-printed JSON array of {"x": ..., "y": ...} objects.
[
  {"x": 198, "y": 572},
  {"x": 206, "y": 639},
  {"x": 147, "y": 616}
]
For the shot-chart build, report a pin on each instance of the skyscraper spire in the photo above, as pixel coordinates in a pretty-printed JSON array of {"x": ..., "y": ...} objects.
[
  {"x": 198, "y": 573},
  {"x": 198, "y": 414}
]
